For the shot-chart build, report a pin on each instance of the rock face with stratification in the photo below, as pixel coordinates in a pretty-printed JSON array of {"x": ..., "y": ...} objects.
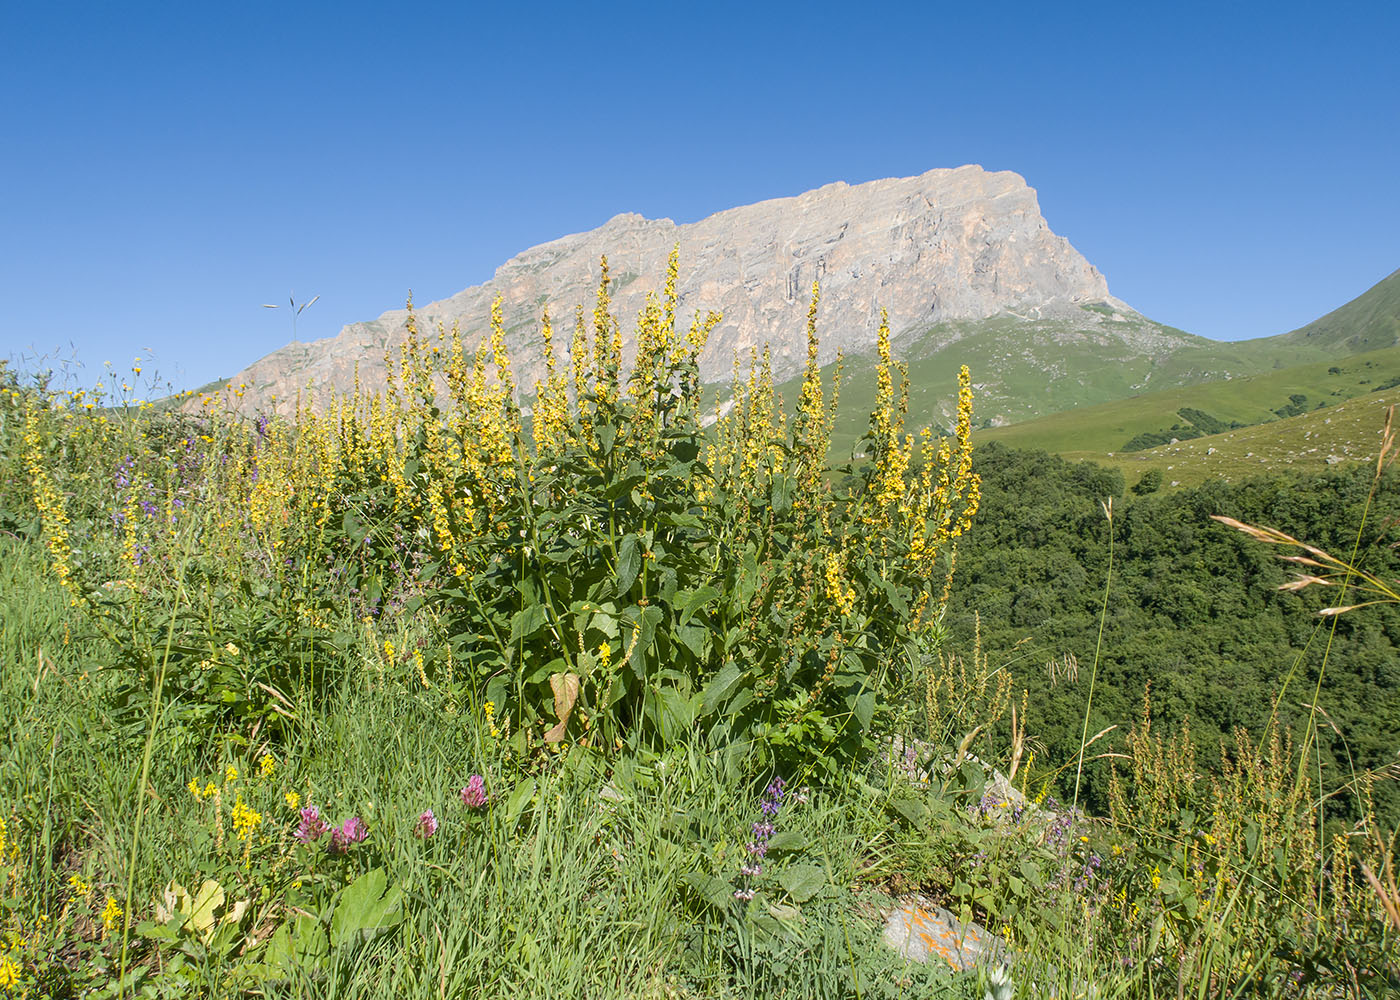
[{"x": 961, "y": 244}]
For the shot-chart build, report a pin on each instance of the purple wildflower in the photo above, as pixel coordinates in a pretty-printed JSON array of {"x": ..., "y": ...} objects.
[
  {"x": 312, "y": 826},
  {"x": 351, "y": 832},
  {"x": 474, "y": 795},
  {"x": 427, "y": 825}
]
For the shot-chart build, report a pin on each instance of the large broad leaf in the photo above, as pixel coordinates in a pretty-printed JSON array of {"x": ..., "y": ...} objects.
[
  {"x": 298, "y": 943},
  {"x": 688, "y": 602},
  {"x": 802, "y": 882},
  {"x": 644, "y": 622},
  {"x": 693, "y": 637},
  {"x": 565, "y": 688},
  {"x": 720, "y": 687},
  {"x": 629, "y": 562},
  {"x": 714, "y": 890},
  {"x": 784, "y": 486},
  {"x": 787, "y": 840},
  {"x": 526, "y": 622},
  {"x": 366, "y": 909}
]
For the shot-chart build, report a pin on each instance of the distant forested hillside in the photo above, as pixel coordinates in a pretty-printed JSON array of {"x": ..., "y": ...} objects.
[{"x": 1194, "y": 609}]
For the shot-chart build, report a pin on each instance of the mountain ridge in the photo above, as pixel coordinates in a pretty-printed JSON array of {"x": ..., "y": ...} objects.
[{"x": 950, "y": 245}]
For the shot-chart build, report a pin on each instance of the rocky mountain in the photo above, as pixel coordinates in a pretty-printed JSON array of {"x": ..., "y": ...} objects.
[{"x": 946, "y": 253}]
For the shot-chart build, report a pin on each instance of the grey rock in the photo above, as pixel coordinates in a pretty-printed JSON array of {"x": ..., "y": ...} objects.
[{"x": 948, "y": 245}]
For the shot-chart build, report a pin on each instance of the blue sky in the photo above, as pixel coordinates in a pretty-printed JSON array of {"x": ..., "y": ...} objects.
[{"x": 166, "y": 168}]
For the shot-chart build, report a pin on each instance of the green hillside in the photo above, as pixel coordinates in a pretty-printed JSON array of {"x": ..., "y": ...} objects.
[
  {"x": 1256, "y": 399},
  {"x": 1368, "y": 322},
  {"x": 1328, "y": 439},
  {"x": 1085, "y": 386}
]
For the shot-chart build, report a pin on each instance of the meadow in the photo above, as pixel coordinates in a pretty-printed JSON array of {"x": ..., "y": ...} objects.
[{"x": 416, "y": 694}]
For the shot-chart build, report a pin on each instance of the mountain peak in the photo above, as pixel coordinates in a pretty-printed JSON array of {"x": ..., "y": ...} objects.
[{"x": 949, "y": 244}]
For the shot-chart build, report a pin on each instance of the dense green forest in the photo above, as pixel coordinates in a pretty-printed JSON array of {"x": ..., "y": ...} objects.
[{"x": 1194, "y": 610}]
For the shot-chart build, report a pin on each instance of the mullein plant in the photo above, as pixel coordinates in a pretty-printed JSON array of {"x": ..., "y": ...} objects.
[{"x": 712, "y": 554}]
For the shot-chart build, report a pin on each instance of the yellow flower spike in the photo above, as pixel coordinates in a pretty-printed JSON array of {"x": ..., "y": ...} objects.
[
  {"x": 111, "y": 913},
  {"x": 293, "y": 801},
  {"x": 267, "y": 765},
  {"x": 80, "y": 888},
  {"x": 230, "y": 774},
  {"x": 9, "y": 974}
]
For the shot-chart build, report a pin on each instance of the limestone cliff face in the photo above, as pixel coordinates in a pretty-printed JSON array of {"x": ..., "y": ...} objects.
[{"x": 946, "y": 245}]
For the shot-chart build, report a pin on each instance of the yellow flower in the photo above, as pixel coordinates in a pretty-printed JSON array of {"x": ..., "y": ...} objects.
[
  {"x": 245, "y": 820},
  {"x": 193, "y": 786},
  {"x": 267, "y": 765},
  {"x": 293, "y": 801},
  {"x": 230, "y": 774},
  {"x": 80, "y": 888},
  {"x": 209, "y": 790},
  {"x": 9, "y": 974},
  {"x": 111, "y": 913},
  {"x": 604, "y": 653}
]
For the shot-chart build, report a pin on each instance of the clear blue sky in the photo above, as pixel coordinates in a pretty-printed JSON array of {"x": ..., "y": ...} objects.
[{"x": 1232, "y": 168}]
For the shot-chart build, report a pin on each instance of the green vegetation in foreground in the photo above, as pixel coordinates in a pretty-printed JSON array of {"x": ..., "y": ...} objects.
[{"x": 401, "y": 703}]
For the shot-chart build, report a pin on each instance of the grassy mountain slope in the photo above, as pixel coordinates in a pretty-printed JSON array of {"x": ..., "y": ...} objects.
[
  {"x": 1336, "y": 436},
  {"x": 1083, "y": 386},
  {"x": 1250, "y": 400},
  {"x": 1369, "y": 322}
]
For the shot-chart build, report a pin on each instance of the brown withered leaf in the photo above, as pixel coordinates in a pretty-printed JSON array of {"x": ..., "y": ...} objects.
[{"x": 565, "y": 688}]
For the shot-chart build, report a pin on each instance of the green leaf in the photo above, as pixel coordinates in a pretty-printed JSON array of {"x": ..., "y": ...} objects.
[
  {"x": 518, "y": 799},
  {"x": 629, "y": 563},
  {"x": 688, "y": 602},
  {"x": 365, "y": 910},
  {"x": 720, "y": 686},
  {"x": 802, "y": 882},
  {"x": 694, "y": 638},
  {"x": 526, "y": 622},
  {"x": 913, "y": 810},
  {"x": 787, "y": 840},
  {"x": 711, "y": 888},
  {"x": 784, "y": 486}
]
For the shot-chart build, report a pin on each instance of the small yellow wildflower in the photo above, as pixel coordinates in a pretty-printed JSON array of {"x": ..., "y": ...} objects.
[
  {"x": 245, "y": 820},
  {"x": 1156, "y": 877},
  {"x": 4, "y": 836},
  {"x": 231, "y": 648},
  {"x": 293, "y": 801},
  {"x": 111, "y": 913},
  {"x": 267, "y": 765},
  {"x": 80, "y": 888},
  {"x": 9, "y": 974},
  {"x": 193, "y": 786},
  {"x": 604, "y": 653},
  {"x": 230, "y": 774},
  {"x": 209, "y": 790},
  {"x": 488, "y": 709}
]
